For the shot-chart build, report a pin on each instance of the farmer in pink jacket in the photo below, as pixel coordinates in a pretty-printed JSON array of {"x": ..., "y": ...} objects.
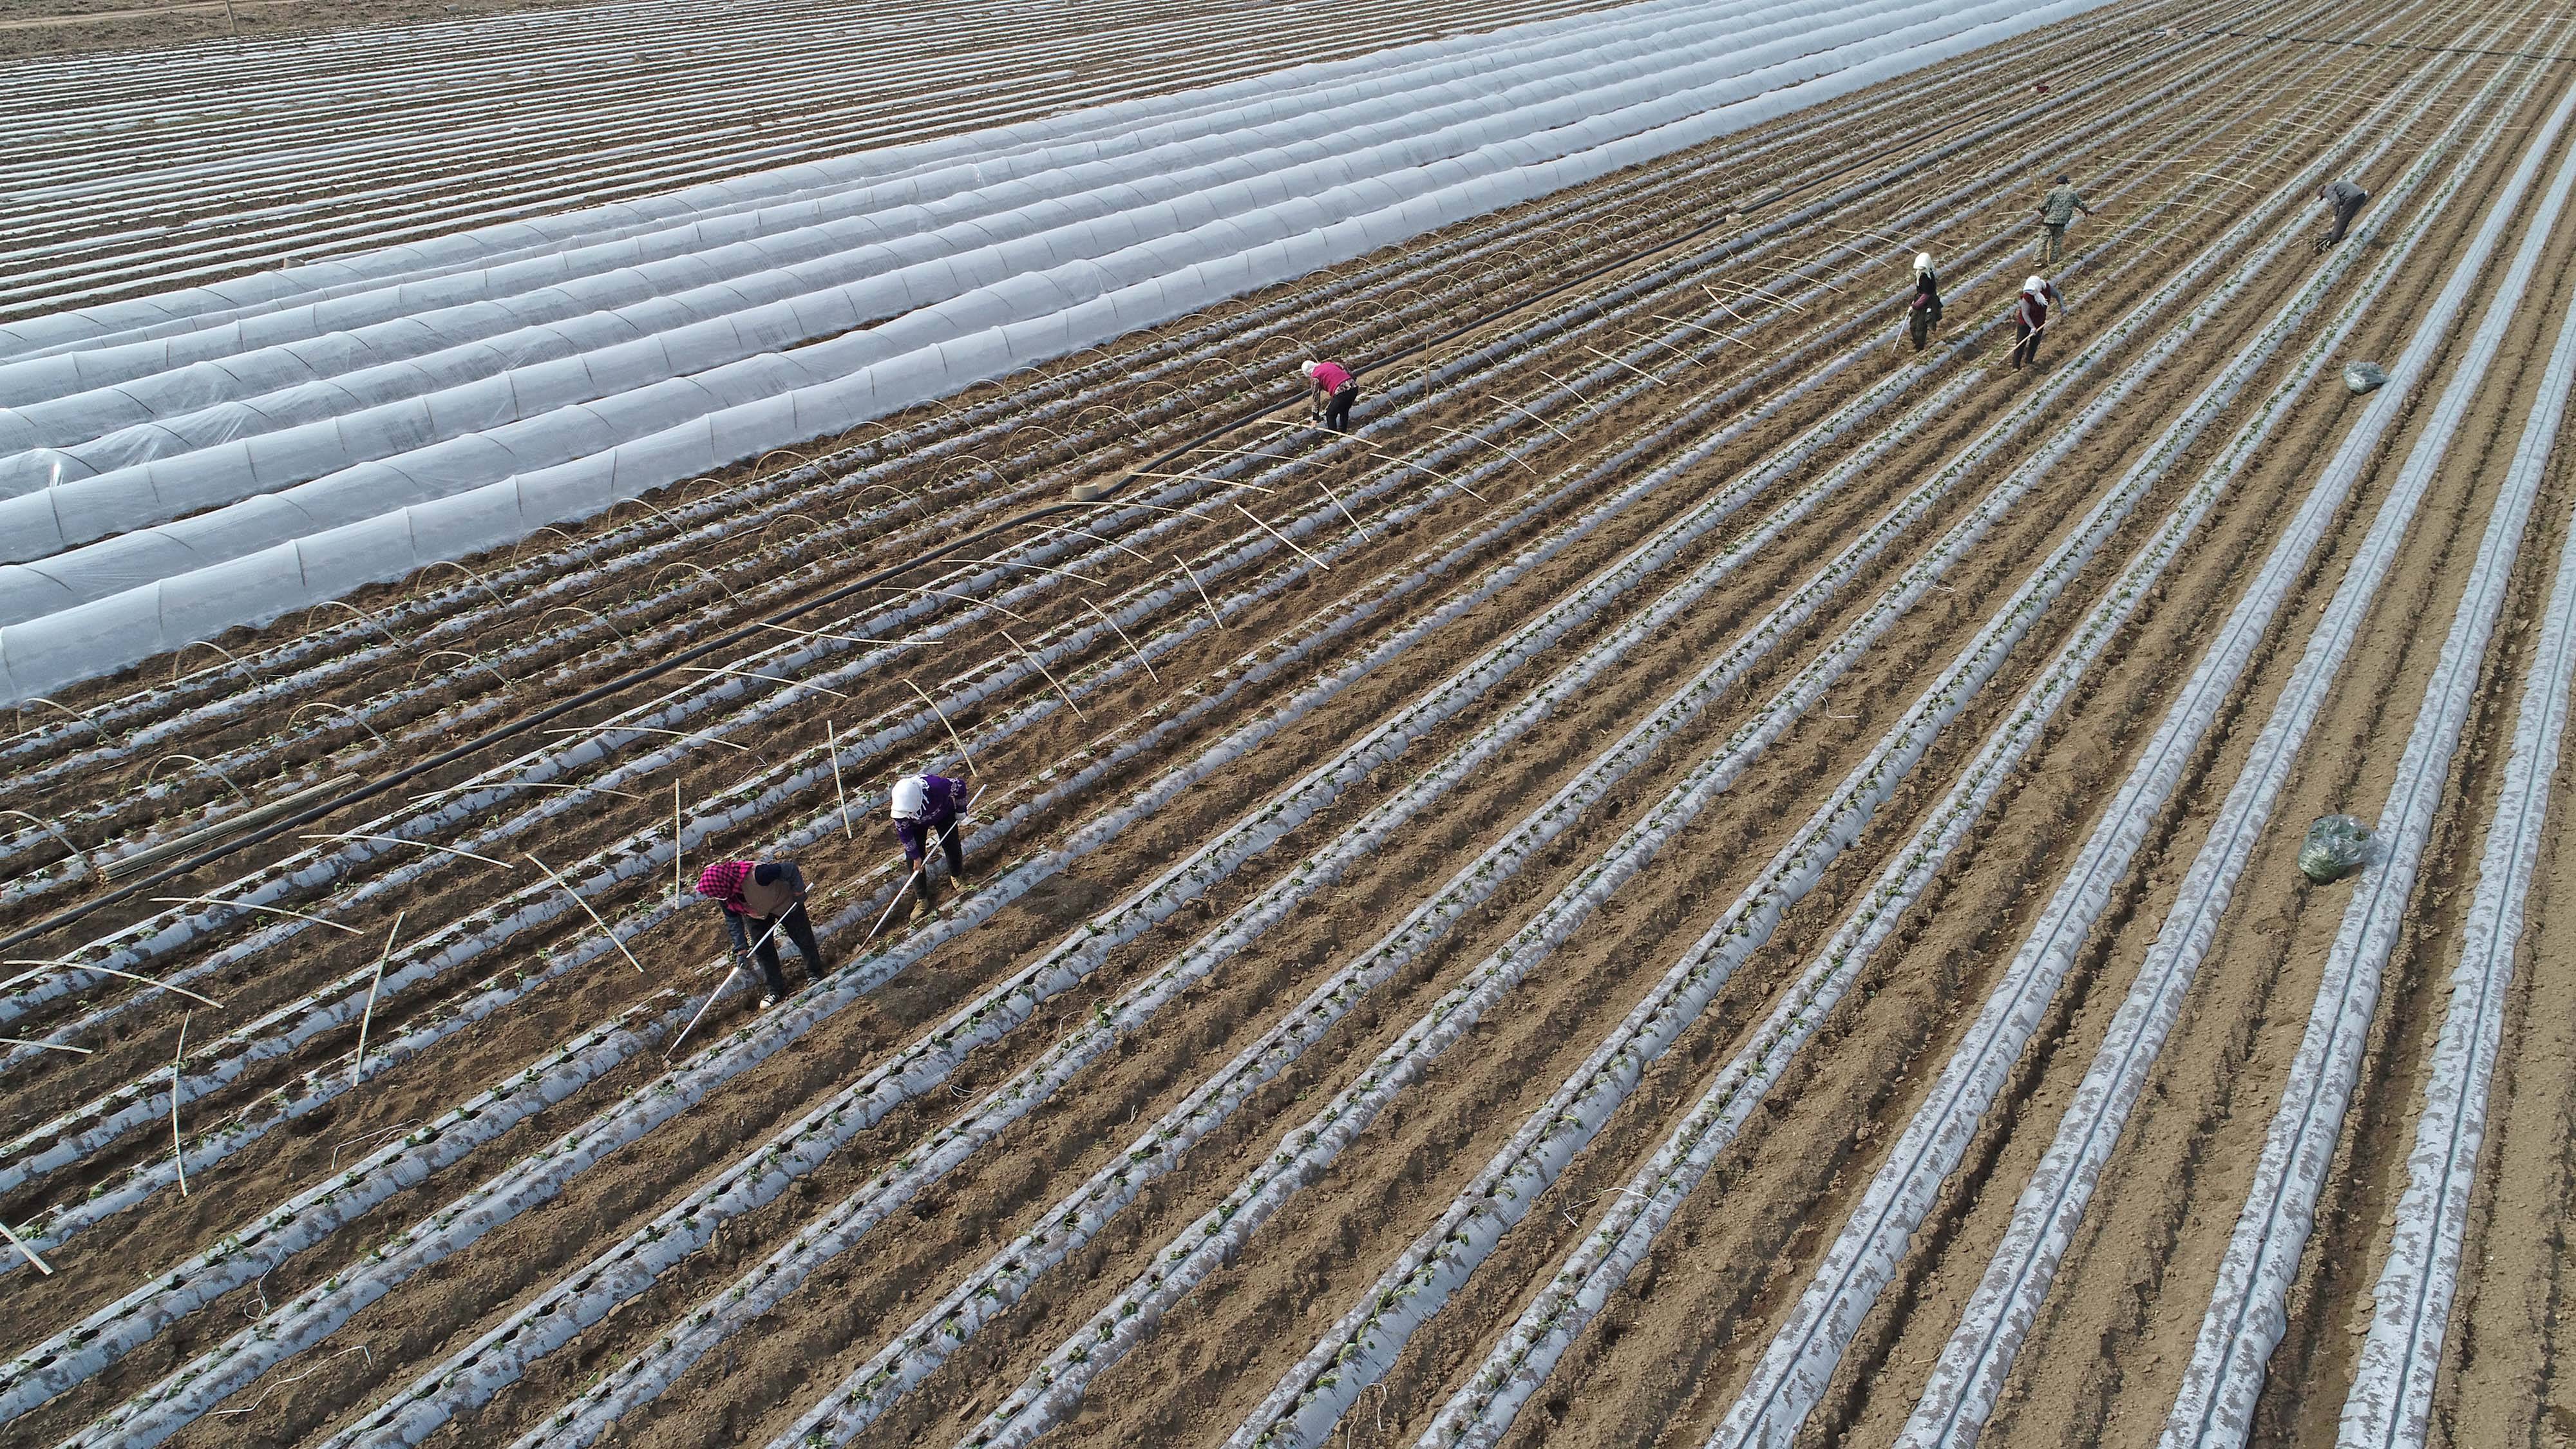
[{"x": 1335, "y": 391}]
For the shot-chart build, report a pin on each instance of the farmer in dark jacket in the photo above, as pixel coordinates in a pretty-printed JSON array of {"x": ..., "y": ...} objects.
[
  {"x": 2346, "y": 199},
  {"x": 760, "y": 900},
  {"x": 926, "y": 806},
  {"x": 1925, "y": 310}
]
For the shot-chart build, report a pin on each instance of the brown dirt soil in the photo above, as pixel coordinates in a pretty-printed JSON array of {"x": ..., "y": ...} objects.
[
  {"x": 78, "y": 27},
  {"x": 1665, "y": 1358}
]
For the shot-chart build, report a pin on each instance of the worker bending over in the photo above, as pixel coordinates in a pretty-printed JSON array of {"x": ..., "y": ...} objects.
[
  {"x": 927, "y": 806},
  {"x": 1925, "y": 310},
  {"x": 760, "y": 900},
  {"x": 1335, "y": 391},
  {"x": 2346, "y": 199},
  {"x": 2056, "y": 212},
  {"x": 2030, "y": 317}
]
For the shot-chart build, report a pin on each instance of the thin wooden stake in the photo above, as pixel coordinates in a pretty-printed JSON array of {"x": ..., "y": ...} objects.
[
  {"x": 942, "y": 715},
  {"x": 819, "y": 634},
  {"x": 1338, "y": 503},
  {"x": 51, "y": 1046},
  {"x": 649, "y": 730},
  {"x": 587, "y": 911},
  {"x": 1711, "y": 331},
  {"x": 969, "y": 599},
  {"x": 998, "y": 561},
  {"x": 832, "y": 738},
  {"x": 677, "y": 876},
  {"x": 1542, "y": 422},
  {"x": 524, "y": 785},
  {"x": 178, "y": 1144},
  {"x": 1131, "y": 644},
  {"x": 45, "y": 966},
  {"x": 1051, "y": 679},
  {"x": 1283, "y": 538},
  {"x": 247, "y": 906},
  {"x": 1203, "y": 593},
  {"x": 358, "y": 1073},
  {"x": 1488, "y": 442},
  {"x": 754, "y": 674},
  {"x": 1095, "y": 538},
  {"x": 1203, "y": 478},
  {"x": 16, "y": 1242},
  {"x": 1632, "y": 367},
  {"x": 423, "y": 844}
]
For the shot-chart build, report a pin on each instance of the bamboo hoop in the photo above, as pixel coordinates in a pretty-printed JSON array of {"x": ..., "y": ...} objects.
[
  {"x": 155, "y": 768},
  {"x": 60, "y": 838},
  {"x": 249, "y": 906},
  {"x": 298, "y": 713},
  {"x": 358, "y": 1072},
  {"x": 45, "y": 967}
]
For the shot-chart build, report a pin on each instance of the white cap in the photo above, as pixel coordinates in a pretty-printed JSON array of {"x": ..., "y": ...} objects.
[
  {"x": 1922, "y": 261},
  {"x": 911, "y": 800},
  {"x": 2034, "y": 284},
  {"x": 1309, "y": 368}
]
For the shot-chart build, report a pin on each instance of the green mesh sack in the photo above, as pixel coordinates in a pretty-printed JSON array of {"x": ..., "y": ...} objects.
[{"x": 2337, "y": 845}]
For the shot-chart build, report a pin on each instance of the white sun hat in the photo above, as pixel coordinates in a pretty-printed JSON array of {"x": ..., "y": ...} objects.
[{"x": 911, "y": 800}]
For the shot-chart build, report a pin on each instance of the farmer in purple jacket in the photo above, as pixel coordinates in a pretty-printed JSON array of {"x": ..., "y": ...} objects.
[{"x": 927, "y": 806}]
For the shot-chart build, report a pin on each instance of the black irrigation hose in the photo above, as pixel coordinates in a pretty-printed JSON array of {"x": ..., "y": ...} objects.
[{"x": 72, "y": 915}]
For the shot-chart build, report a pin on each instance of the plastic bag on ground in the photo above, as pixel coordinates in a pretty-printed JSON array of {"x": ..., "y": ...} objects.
[
  {"x": 2337, "y": 845},
  {"x": 2364, "y": 376}
]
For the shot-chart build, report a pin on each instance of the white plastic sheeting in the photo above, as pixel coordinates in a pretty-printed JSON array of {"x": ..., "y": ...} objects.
[
  {"x": 137, "y": 594},
  {"x": 96, "y": 346},
  {"x": 319, "y": 146},
  {"x": 890, "y": 248}
]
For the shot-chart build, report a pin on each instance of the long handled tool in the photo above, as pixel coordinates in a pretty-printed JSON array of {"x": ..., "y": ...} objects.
[
  {"x": 712, "y": 996},
  {"x": 939, "y": 841}
]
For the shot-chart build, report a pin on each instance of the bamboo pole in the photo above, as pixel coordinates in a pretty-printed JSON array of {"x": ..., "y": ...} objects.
[
  {"x": 358, "y": 1072},
  {"x": 51, "y": 1046},
  {"x": 1131, "y": 644},
  {"x": 587, "y": 911},
  {"x": 178, "y": 1144},
  {"x": 1041, "y": 668},
  {"x": 45, "y": 966},
  {"x": 942, "y": 715},
  {"x": 20, "y": 1244},
  {"x": 832, "y": 746},
  {"x": 247, "y": 906},
  {"x": 1203, "y": 593},
  {"x": 1284, "y": 539}
]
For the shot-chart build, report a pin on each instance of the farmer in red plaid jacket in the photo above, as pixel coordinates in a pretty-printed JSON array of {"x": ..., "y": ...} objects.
[{"x": 760, "y": 900}]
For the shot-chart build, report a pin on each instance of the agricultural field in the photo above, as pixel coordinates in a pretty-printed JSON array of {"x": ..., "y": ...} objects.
[{"x": 1701, "y": 877}]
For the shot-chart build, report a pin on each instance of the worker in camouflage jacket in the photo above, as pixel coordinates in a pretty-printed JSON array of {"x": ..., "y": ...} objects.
[{"x": 2057, "y": 212}]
